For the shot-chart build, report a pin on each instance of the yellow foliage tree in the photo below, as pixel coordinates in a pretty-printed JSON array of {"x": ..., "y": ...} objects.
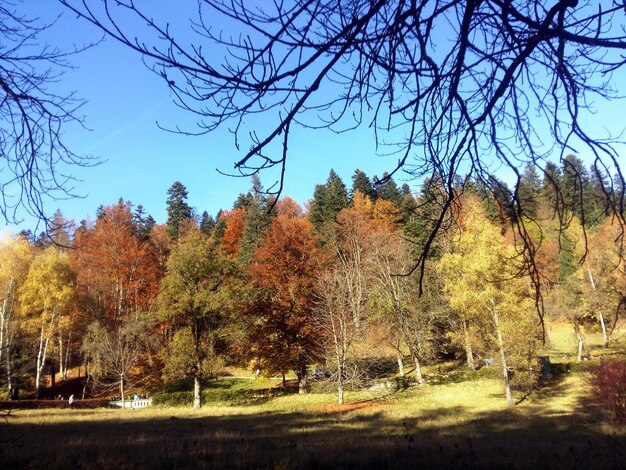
[
  {"x": 15, "y": 256},
  {"x": 482, "y": 282},
  {"x": 46, "y": 296}
]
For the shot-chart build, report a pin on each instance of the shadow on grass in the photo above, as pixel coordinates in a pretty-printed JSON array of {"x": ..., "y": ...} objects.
[{"x": 506, "y": 438}]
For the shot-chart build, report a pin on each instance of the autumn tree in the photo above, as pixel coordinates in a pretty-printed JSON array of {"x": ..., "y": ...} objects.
[
  {"x": 116, "y": 269},
  {"x": 484, "y": 286},
  {"x": 46, "y": 298},
  {"x": 606, "y": 272},
  {"x": 115, "y": 352},
  {"x": 284, "y": 271},
  {"x": 335, "y": 320},
  {"x": 411, "y": 318},
  {"x": 234, "y": 221},
  {"x": 445, "y": 87},
  {"x": 15, "y": 257},
  {"x": 192, "y": 299}
]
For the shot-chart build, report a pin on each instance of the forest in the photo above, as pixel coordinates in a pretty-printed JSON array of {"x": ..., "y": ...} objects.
[{"x": 330, "y": 290}]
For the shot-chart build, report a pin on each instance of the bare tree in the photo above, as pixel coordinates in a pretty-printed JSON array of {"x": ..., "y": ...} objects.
[
  {"x": 115, "y": 353},
  {"x": 34, "y": 159},
  {"x": 411, "y": 320},
  {"x": 449, "y": 87}
]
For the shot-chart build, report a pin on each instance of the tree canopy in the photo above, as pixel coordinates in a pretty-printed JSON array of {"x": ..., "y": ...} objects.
[{"x": 447, "y": 86}]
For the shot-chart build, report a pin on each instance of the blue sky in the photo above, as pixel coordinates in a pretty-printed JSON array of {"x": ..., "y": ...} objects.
[{"x": 140, "y": 161}]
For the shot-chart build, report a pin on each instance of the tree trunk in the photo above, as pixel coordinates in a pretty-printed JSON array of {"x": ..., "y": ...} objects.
[
  {"x": 340, "y": 390},
  {"x": 581, "y": 342},
  {"x": 3, "y": 322},
  {"x": 302, "y": 383},
  {"x": 400, "y": 364},
  {"x": 53, "y": 373},
  {"x": 61, "y": 357},
  {"x": 418, "y": 370},
  {"x": 468, "y": 346},
  {"x": 505, "y": 370},
  {"x": 605, "y": 336},
  {"x": 41, "y": 360},
  {"x": 196, "y": 392},
  {"x": 9, "y": 375},
  {"x": 122, "y": 391},
  {"x": 548, "y": 327}
]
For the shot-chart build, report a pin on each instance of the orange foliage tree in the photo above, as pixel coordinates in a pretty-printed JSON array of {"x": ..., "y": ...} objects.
[
  {"x": 117, "y": 271},
  {"x": 235, "y": 221},
  {"x": 284, "y": 271}
]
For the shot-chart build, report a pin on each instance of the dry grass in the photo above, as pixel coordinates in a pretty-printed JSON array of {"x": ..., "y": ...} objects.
[
  {"x": 452, "y": 425},
  {"x": 455, "y": 425}
]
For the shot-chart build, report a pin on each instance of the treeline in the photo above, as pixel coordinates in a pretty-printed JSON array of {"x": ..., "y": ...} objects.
[{"x": 277, "y": 288}]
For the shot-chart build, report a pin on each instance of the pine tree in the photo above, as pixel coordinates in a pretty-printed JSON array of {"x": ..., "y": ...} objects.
[
  {"x": 58, "y": 232},
  {"x": 389, "y": 190},
  {"x": 207, "y": 222},
  {"x": 528, "y": 191},
  {"x": 143, "y": 223},
  {"x": 178, "y": 211},
  {"x": 551, "y": 184},
  {"x": 362, "y": 183},
  {"x": 328, "y": 200},
  {"x": 257, "y": 220},
  {"x": 419, "y": 225}
]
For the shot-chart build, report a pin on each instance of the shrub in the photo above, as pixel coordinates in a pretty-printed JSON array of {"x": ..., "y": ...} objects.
[
  {"x": 173, "y": 399},
  {"x": 609, "y": 390}
]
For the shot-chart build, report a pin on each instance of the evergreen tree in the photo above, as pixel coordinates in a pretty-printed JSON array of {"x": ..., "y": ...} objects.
[
  {"x": 220, "y": 226},
  {"x": 575, "y": 186},
  {"x": 100, "y": 212},
  {"x": 328, "y": 200},
  {"x": 178, "y": 211},
  {"x": 497, "y": 199},
  {"x": 551, "y": 184},
  {"x": 599, "y": 187},
  {"x": 528, "y": 190},
  {"x": 362, "y": 183},
  {"x": 207, "y": 222},
  {"x": 408, "y": 208},
  {"x": 143, "y": 222},
  {"x": 243, "y": 200},
  {"x": 258, "y": 219},
  {"x": 389, "y": 190},
  {"x": 58, "y": 232},
  {"x": 421, "y": 223}
]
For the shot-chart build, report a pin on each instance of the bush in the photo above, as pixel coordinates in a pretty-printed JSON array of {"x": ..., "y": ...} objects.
[
  {"x": 173, "y": 399},
  {"x": 609, "y": 390}
]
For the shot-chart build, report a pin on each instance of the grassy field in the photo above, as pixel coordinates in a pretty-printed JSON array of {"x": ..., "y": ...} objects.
[{"x": 459, "y": 422}]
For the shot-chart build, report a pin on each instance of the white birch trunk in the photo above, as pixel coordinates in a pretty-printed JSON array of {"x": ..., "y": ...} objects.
[
  {"x": 418, "y": 370},
  {"x": 505, "y": 370},
  {"x": 41, "y": 360},
  {"x": 468, "y": 347},
  {"x": 122, "y": 392},
  {"x": 400, "y": 363},
  {"x": 196, "y": 392},
  {"x": 605, "y": 336},
  {"x": 581, "y": 342}
]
